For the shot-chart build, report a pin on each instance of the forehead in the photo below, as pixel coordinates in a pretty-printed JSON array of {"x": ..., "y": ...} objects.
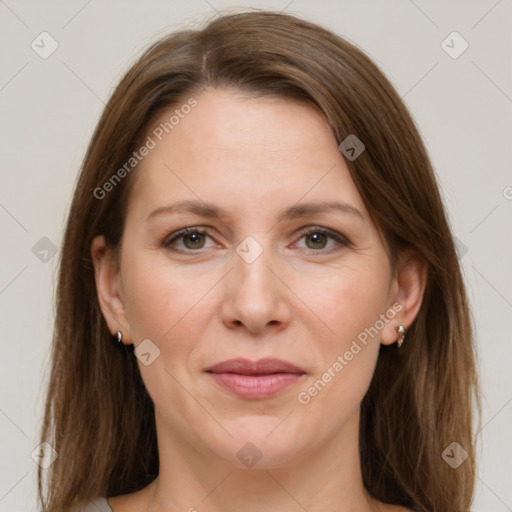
[{"x": 244, "y": 152}]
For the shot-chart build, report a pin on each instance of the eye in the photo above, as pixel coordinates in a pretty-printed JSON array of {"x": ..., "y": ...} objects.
[
  {"x": 192, "y": 238},
  {"x": 317, "y": 238}
]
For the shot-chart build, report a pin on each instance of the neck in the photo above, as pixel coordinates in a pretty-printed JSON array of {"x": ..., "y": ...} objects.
[{"x": 326, "y": 476}]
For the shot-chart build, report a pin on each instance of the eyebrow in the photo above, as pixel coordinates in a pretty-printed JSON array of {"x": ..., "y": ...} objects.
[{"x": 209, "y": 210}]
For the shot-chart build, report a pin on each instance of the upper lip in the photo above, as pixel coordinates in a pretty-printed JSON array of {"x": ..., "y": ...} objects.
[{"x": 262, "y": 367}]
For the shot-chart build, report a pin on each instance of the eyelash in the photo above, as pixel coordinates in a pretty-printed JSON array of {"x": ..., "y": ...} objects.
[{"x": 342, "y": 240}]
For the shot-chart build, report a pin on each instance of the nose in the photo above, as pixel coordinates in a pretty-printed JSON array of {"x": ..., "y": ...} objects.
[{"x": 255, "y": 295}]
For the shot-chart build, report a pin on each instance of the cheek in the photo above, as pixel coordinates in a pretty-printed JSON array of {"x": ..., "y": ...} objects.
[
  {"x": 148, "y": 302},
  {"x": 350, "y": 307},
  {"x": 348, "y": 299},
  {"x": 159, "y": 298},
  {"x": 164, "y": 305}
]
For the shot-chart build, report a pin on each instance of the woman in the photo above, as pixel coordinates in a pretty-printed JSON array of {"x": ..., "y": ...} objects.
[{"x": 259, "y": 304}]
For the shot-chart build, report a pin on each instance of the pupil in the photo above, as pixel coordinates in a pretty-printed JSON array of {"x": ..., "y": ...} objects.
[
  {"x": 317, "y": 238},
  {"x": 194, "y": 239}
]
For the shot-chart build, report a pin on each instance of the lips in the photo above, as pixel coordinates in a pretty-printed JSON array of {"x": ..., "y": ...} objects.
[
  {"x": 242, "y": 366},
  {"x": 255, "y": 379}
]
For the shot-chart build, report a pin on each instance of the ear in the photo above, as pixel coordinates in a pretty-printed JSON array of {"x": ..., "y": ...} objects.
[
  {"x": 406, "y": 293},
  {"x": 108, "y": 286}
]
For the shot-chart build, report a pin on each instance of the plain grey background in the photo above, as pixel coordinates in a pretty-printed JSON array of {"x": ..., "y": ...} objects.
[{"x": 50, "y": 106}]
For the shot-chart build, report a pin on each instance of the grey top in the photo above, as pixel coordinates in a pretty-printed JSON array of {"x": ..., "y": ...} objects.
[{"x": 99, "y": 505}]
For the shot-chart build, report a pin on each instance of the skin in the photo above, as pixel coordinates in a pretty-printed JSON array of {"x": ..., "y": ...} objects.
[{"x": 304, "y": 300}]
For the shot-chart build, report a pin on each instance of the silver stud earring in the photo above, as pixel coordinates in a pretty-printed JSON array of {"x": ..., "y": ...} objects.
[
  {"x": 401, "y": 335},
  {"x": 118, "y": 337}
]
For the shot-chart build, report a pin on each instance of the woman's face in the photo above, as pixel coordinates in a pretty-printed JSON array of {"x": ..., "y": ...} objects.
[{"x": 277, "y": 274}]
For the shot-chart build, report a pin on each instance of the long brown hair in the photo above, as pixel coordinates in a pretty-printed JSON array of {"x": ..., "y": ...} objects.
[{"x": 98, "y": 415}]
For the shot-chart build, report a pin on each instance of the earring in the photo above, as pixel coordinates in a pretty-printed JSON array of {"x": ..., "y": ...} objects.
[
  {"x": 401, "y": 335},
  {"x": 118, "y": 337}
]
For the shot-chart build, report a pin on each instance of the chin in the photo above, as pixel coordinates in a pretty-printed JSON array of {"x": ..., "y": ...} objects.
[{"x": 262, "y": 443}]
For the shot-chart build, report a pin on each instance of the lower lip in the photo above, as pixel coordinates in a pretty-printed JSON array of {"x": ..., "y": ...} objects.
[{"x": 251, "y": 386}]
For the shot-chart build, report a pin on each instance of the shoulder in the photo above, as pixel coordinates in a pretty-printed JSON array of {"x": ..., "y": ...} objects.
[
  {"x": 387, "y": 507},
  {"x": 98, "y": 505}
]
